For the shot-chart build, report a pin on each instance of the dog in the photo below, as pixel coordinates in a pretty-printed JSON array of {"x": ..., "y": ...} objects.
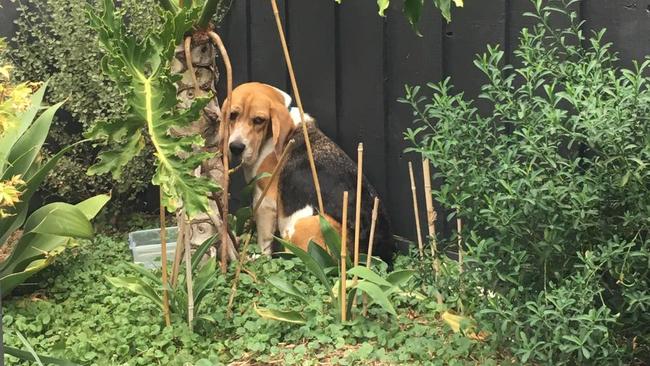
[{"x": 261, "y": 124}]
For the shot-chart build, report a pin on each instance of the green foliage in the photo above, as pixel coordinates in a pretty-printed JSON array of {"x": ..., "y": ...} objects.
[
  {"x": 148, "y": 284},
  {"x": 54, "y": 41},
  {"x": 31, "y": 355},
  {"x": 413, "y": 8},
  {"x": 141, "y": 68},
  {"x": 322, "y": 265},
  {"x": 48, "y": 230},
  {"x": 552, "y": 187},
  {"x": 80, "y": 316}
]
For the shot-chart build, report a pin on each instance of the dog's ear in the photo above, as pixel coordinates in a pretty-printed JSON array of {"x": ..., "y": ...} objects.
[{"x": 282, "y": 126}]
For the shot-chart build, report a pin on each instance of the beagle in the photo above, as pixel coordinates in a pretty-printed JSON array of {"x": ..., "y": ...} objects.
[{"x": 261, "y": 124}]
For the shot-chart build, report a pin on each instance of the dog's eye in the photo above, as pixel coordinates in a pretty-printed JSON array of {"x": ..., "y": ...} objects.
[
  {"x": 258, "y": 120},
  {"x": 234, "y": 115}
]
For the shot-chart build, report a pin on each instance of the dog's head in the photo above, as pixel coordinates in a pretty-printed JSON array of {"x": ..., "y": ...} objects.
[{"x": 258, "y": 112}]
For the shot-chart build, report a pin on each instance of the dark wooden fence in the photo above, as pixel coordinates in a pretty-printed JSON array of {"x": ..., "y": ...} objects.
[{"x": 352, "y": 65}]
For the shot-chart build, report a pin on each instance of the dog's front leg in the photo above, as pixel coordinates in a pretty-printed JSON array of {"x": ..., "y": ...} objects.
[{"x": 266, "y": 221}]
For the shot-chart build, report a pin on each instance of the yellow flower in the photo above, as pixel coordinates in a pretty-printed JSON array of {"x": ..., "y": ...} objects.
[{"x": 10, "y": 191}]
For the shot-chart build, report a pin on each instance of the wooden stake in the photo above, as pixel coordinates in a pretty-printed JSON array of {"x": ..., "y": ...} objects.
[
  {"x": 416, "y": 211},
  {"x": 180, "y": 249},
  {"x": 357, "y": 213},
  {"x": 371, "y": 242},
  {"x": 344, "y": 255},
  {"x": 224, "y": 133},
  {"x": 296, "y": 93},
  {"x": 163, "y": 259},
  {"x": 431, "y": 213},
  {"x": 242, "y": 252},
  {"x": 431, "y": 220},
  {"x": 188, "y": 280}
]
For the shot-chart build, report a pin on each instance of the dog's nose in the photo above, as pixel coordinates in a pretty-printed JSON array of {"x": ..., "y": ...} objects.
[{"x": 236, "y": 147}]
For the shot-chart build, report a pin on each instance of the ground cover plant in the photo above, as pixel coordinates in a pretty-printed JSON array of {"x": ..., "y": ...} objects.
[
  {"x": 552, "y": 185},
  {"x": 76, "y": 314}
]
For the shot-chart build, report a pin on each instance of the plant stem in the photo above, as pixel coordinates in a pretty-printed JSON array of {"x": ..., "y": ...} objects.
[
  {"x": 187, "y": 47},
  {"x": 416, "y": 211},
  {"x": 296, "y": 94},
  {"x": 208, "y": 11},
  {"x": 163, "y": 259},
  {"x": 371, "y": 242},
  {"x": 344, "y": 255},
  {"x": 189, "y": 282},
  {"x": 225, "y": 132}
]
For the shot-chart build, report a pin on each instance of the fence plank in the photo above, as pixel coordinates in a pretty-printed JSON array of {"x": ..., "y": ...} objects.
[
  {"x": 267, "y": 59},
  {"x": 360, "y": 89},
  {"x": 411, "y": 60},
  {"x": 313, "y": 52}
]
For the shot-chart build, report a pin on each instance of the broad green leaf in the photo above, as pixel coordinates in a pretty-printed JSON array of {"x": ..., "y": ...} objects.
[
  {"x": 312, "y": 265},
  {"x": 9, "y": 224},
  {"x": 61, "y": 219},
  {"x": 10, "y": 281},
  {"x": 201, "y": 250},
  {"x": 368, "y": 274},
  {"x": 30, "y": 247},
  {"x": 377, "y": 295},
  {"x": 398, "y": 278},
  {"x": 24, "y": 355},
  {"x": 332, "y": 240},
  {"x": 412, "y": 10},
  {"x": 28, "y": 146},
  {"x": 91, "y": 207},
  {"x": 203, "y": 279},
  {"x": 136, "y": 286},
  {"x": 141, "y": 68},
  {"x": 288, "y": 316},
  {"x": 9, "y": 138},
  {"x": 320, "y": 255},
  {"x": 281, "y": 284}
]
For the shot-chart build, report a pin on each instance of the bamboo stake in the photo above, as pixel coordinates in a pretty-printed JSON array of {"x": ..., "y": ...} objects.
[
  {"x": 296, "y": 93},
  {"x": 431, "y": 213},
  {"x": 163, "y": 259},
  {"x": 188, "y": 279},
  {"x": 274, "y": 173},
  {"x": 416, "y": 211},
  {"x": 242, "y": 252},
  {"x": 357, "y": 214},
  {"x": 431, "y": 220},
  {"x": 371, "y": 242},
  {"x": 180, "y": 240},
  {"x": 344, "y": 255},
  {"x": 187, "y": 46},
  {"x": 224, "y": 133}
]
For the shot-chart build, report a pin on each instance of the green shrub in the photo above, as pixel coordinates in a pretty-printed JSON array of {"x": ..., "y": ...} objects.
[
  {"x": 553, "y": 187},
  {"x": 55, "y": 42}
]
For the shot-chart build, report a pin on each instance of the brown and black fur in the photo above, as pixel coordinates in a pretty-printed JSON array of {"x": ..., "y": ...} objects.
[{"x": 337, "y": 173}]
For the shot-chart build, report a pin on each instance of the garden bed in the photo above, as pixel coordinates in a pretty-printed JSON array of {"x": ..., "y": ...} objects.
[{"x": 79, "y": 316}]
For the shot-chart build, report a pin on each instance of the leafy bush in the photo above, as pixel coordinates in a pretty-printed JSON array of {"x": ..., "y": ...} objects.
[
  {"x": 552, "y": 185},
  {"x": 55, "y": 42}
]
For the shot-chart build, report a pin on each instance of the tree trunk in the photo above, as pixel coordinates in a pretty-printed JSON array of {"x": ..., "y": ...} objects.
[{"x": 206, "y": 74}]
